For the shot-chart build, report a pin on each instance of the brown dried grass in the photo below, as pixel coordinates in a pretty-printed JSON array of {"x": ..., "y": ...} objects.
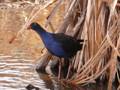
[{"x": 98, "y": 23}]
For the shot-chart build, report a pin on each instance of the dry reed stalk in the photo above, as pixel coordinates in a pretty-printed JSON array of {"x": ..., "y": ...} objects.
[
  {"x": 93, "y": 62},
  {"x": 96, "y": 56},
  {"x": 112, "y": 69},
  {"x": 100, "y": 27},
  {"x": 98, "y": 22},
  {"x": 51, "y": 15},
  {"x": 32, "y": 16},
  {"x": 99, "y": 41}
]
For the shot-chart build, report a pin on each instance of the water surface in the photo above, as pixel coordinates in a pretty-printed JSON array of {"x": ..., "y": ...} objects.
[{"x": 17, "y": 72}]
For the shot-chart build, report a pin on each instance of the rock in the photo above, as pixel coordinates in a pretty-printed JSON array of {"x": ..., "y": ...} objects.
[{"x": 31, "y": 87}]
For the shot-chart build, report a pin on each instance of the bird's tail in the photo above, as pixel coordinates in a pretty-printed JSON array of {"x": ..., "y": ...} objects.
[{"x": 80, "y": 40}]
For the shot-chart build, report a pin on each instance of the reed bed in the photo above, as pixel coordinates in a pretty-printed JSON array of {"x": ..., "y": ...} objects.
[{"x": 98, "y": 23}]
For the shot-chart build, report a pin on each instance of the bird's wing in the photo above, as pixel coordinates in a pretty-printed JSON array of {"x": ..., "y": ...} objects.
[{"x": 68, "y": 43}]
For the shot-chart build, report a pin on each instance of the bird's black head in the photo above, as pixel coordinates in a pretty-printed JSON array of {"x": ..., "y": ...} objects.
[{"x": 35, "y": 26}]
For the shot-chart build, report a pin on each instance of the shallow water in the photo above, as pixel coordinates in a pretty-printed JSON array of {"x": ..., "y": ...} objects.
[{"x": 17, "y": 73}]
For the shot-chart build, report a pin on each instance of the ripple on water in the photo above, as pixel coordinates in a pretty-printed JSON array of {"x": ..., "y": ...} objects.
[{"x": 16, "y": 74}]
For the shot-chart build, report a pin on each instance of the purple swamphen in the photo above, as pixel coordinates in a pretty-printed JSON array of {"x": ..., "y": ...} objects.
[{"x": 58, "y": 44}]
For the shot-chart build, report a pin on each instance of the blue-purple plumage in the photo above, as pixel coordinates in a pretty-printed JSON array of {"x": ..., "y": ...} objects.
[{"x": 59, "y": 44}]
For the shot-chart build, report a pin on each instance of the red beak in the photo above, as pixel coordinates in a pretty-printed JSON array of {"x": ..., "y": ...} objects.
[{"x": 29, "y": 27}]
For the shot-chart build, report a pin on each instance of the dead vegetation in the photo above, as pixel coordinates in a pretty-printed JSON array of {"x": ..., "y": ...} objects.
[{"x": 98, "y": 23}]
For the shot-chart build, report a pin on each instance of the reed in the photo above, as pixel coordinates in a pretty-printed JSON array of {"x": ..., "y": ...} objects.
[{"x": 98, "y": 23}]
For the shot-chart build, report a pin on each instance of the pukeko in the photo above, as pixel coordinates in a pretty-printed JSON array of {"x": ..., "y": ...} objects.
[{"x": 58, "y": 44}]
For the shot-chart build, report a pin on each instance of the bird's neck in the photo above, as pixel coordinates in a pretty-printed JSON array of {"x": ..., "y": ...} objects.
[
  {"x": 43, "y": 34},
  {"x": 40, "y": 31}
]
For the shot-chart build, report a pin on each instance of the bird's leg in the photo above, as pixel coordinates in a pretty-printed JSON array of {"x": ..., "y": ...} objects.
[
  {"x": 68, "y": 73},
  {"x": 59, "y": 72}
]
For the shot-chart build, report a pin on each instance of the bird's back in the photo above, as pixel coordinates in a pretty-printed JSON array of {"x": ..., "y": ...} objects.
[{"x": 69, "y": 44}]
